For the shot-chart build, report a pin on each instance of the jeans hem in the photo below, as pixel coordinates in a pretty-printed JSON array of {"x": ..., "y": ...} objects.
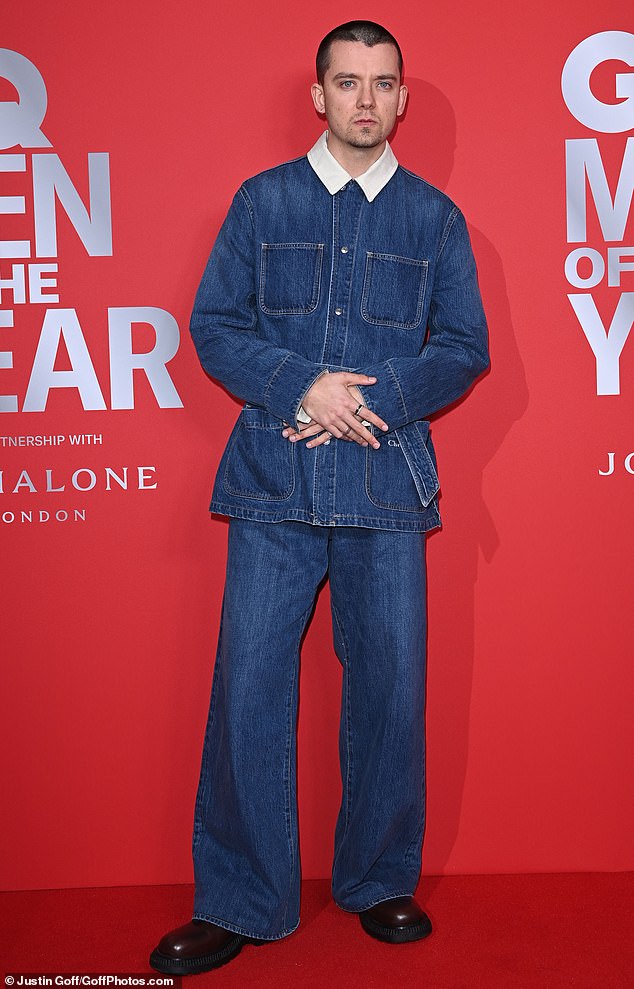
[
  {"x": 373, "y": 903},
  {"x": 197, "y": 915}
]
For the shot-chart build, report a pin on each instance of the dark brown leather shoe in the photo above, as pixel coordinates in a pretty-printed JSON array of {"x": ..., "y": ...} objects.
[
  {"x": 196, "y": 947},
  {"x": 396, "y": 920}
]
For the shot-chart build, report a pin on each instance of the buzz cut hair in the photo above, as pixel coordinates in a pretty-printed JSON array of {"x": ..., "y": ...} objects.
[{"x": 367, "y": 32}]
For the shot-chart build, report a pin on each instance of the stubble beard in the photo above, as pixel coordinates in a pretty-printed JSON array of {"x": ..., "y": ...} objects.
[{"x": 365, "y": 138}]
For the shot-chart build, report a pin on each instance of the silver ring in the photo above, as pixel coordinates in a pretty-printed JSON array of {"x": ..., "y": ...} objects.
[
  {"x": 356, "y": 411},
  {"x": 346, "y": 431}
]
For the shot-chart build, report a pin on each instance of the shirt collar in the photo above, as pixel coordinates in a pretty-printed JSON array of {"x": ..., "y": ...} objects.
[{"x": 334, "y": 175}]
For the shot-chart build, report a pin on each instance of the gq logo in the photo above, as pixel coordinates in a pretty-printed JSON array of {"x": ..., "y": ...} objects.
[
  {"x": 20, "y": 122},
  {"x": 584, "y": 165},
  {"x": 575, "y": 82},
  {"x": 34, "y": 283}
]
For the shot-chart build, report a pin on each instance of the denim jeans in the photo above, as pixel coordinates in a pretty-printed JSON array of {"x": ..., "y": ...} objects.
[{"x": 245, "y": 841}]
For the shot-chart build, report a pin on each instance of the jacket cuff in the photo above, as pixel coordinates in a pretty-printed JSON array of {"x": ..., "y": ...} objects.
[
  {"x": 385, "y": 396},
  {"x": 288, "y": 385}
]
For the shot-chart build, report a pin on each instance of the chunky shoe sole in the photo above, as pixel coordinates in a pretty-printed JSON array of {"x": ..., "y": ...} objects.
[
  {"x": 198, "y": 963},
  {"x": 396, "y": 935}
]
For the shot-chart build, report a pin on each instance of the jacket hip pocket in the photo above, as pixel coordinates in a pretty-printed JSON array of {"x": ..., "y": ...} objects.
[{"x": 260, "y": 463}]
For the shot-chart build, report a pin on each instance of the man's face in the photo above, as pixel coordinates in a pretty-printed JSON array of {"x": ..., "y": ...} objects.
[{"x": 361, "y": 94}]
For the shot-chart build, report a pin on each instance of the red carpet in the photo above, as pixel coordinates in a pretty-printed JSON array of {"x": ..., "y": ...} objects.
[{"x": 490, "y": 932}]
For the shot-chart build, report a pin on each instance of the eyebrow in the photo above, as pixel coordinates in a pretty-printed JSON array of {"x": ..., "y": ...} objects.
[{"x": 353, "y": 75}]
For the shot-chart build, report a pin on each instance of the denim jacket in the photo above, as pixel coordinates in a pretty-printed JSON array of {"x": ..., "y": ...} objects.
[{"x": 301, "y": 281}]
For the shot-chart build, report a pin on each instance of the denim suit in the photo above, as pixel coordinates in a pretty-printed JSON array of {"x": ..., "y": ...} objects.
[{"x": 299, "y": 282}]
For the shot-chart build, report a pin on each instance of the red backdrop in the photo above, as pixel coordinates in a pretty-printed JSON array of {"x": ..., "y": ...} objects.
[{"x": 110, "y": 615}]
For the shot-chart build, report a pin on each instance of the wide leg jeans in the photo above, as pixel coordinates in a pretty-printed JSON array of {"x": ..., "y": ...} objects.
[{"x": 245, "y": 841}]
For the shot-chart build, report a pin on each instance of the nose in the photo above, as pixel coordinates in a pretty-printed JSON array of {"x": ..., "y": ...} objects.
[{"x": 365, "y": 98}]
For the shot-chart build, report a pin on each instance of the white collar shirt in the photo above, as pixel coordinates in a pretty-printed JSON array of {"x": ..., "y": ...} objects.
[{"x": 335, "y": 177}]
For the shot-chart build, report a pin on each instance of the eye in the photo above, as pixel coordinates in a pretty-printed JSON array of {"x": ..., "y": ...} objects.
[
  {"x": 347, "y": 84},
  {"x": 385, "y": 84}
]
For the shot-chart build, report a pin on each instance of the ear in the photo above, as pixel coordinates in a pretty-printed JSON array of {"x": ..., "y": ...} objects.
[
  {"x": 317, "y": 93},
  {"x": 402, "y": 100}
]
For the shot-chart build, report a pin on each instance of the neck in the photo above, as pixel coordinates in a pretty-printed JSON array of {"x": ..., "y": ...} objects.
[{"x": 356, "y": 161}]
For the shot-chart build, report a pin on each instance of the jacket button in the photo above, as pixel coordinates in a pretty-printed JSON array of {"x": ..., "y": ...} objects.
[
  {"x": 338, "y": 311},
  {"x": 344, "y": 250}
]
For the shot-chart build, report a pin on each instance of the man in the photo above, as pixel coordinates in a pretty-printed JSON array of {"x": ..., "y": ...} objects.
[{"x": 340, "y": 304}]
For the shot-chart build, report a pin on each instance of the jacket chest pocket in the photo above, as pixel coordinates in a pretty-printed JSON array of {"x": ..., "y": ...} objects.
[
  {"x": 290, "y": 278},
  {"x": 393, "y": 290}
]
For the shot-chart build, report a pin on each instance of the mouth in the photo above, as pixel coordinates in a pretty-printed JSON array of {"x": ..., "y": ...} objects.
[{"x": 365, "y": 121}]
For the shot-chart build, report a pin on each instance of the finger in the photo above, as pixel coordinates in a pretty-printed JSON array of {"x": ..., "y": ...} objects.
[
  {"x": 352, "y": 378},
  {"x": 365, "y": 413},
  {"x": 310, "y": 430},
  {"x": 359, "y": 433},
  {"x": 346, "y": 435},
  {"x": 339, "y": 427},
  {"x": 324, "y": 437},
  {"x": 290, "y": 431}
]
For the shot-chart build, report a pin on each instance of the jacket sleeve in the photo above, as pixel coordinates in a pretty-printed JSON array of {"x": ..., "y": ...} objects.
[
  {"x": 456, "y": 349},
  {"x": 224, "y": 325}
]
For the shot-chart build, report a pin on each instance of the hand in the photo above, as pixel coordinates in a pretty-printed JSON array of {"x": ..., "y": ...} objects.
[
  {"x": 331, "y": 402},
  {"x": 313, "y": 428}
]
